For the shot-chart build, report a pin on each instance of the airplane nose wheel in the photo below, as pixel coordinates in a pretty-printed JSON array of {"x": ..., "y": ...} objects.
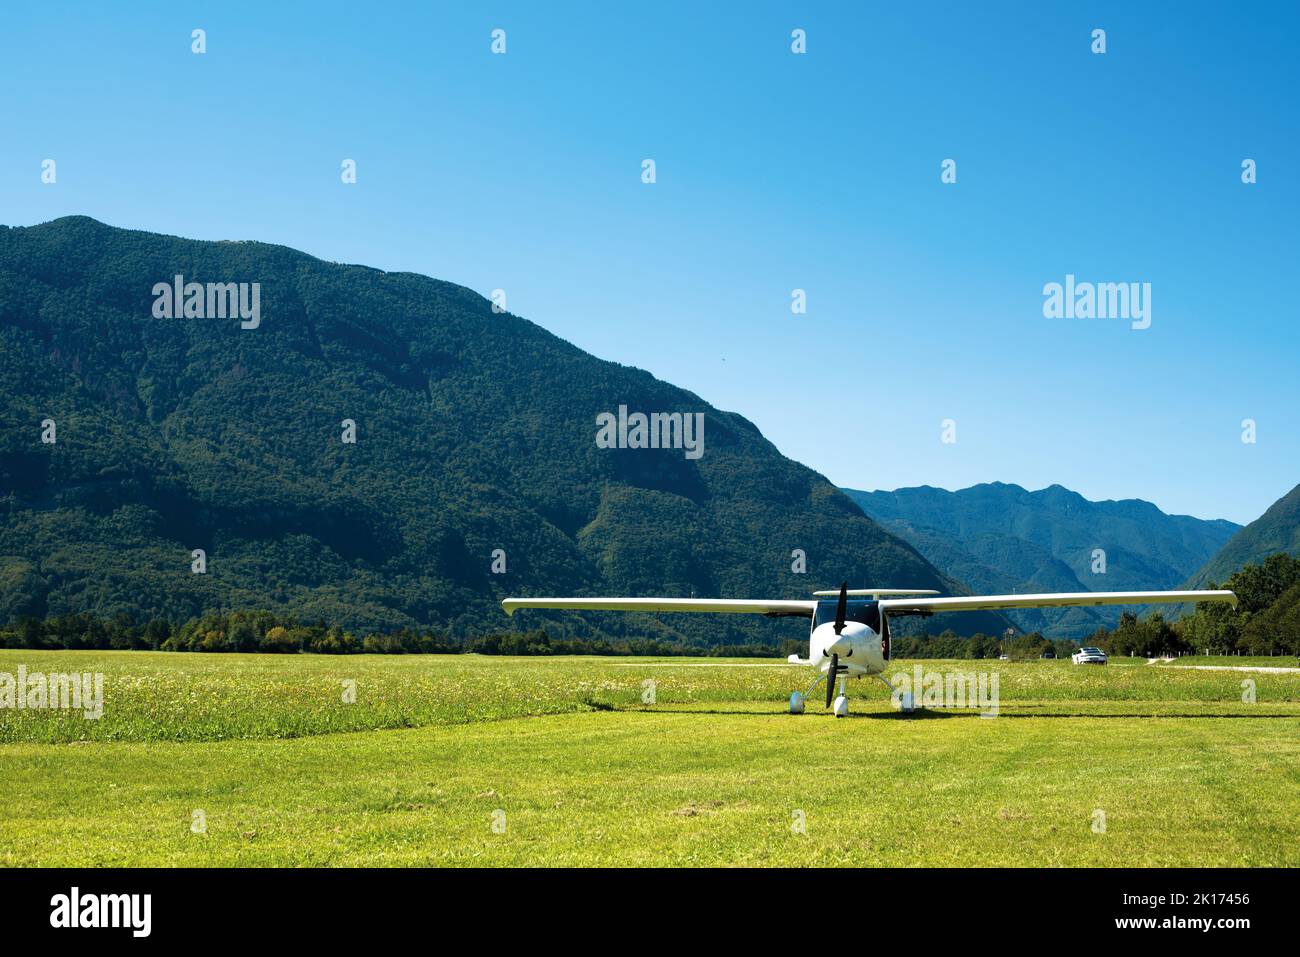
[{"x": 841, "y": 707}]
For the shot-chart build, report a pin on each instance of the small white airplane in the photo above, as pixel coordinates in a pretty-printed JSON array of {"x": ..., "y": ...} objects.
[{"x": 849, "y": 637}]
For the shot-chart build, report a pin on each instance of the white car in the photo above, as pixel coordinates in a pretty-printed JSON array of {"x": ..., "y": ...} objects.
[{"x": 1089, "y": 656}]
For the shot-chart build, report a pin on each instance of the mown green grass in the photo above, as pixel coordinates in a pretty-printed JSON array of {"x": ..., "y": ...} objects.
[
  {"x": 194, "y": 697},
  {"x": 585, "y": 772}
]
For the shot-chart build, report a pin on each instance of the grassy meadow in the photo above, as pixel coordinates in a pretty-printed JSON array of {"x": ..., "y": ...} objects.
[{"x": 467, "y": 760}]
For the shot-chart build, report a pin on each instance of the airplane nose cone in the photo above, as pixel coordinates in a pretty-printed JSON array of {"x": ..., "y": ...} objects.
[{"x": 840, "y": 646}]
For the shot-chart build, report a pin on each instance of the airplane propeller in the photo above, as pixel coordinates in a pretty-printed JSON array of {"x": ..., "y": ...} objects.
[
  {"x": 831, "y": 675},
  {"x": 841, "y": 614}
]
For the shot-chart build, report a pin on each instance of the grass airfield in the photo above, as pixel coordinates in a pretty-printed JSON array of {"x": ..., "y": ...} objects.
[{"x": 467, "y": 760}]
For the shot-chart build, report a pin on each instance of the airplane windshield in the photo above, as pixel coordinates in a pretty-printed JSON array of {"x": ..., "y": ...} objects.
[{"x": 864, "y": 611}]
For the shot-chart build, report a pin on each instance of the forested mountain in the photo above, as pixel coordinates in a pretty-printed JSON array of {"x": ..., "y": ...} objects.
[
  {"x": 1277, "y": 530},
  {"x": 1001, "y": 538},
  {"x": 475, "y": 431}
]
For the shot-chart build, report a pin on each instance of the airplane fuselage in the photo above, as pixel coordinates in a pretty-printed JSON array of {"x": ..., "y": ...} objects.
[{"x": 860, "y": 648}]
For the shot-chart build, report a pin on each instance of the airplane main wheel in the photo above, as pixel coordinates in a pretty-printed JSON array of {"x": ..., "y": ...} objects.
[
  {"x": 841, "y": 707},
  {"x": 796, "y": 703},
  {"x": 906, "y": 702}
]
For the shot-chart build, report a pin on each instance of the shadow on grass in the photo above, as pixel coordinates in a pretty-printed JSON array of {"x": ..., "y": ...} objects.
[
  {"x": 927, "y": 714},
  {"x": 917, "y": 715},
  {"x": 1135, "y": 714}
]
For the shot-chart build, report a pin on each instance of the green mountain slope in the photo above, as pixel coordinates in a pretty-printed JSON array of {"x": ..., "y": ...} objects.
[
  {"x": 1277, "y": 530},
  {"x": 475, "y": 431},
  {"x": 1003, "y": 538}
]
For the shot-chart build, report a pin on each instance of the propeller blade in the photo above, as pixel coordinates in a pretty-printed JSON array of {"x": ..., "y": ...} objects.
[
  {"x": 830, "y": 678},
  {"x": 842, "y": 610}
]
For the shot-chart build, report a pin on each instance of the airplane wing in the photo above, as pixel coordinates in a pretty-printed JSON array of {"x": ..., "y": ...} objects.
[
  {"x": 803, "y": 609},
  {"x": 926, "y": 606},
  {"x": 874, "y": 592}
]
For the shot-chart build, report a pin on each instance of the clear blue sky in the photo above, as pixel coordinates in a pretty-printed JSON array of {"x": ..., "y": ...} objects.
[{"x": 775, "y": 171}]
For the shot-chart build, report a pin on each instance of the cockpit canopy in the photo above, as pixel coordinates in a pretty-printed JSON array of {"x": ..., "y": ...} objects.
[{"x": 865, "y": 611}]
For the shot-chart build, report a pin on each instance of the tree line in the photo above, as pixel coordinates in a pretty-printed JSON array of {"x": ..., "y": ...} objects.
[
  {"x": 272, "y": 633},
  {"x": 1266, "y": 621}
]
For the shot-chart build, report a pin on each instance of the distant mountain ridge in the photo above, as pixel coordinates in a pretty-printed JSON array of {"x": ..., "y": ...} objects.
[
  {"x": 1002, "y": 538},
  {"x": 475, "y": 431},
  {"x": 1277, "y": 530}
]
